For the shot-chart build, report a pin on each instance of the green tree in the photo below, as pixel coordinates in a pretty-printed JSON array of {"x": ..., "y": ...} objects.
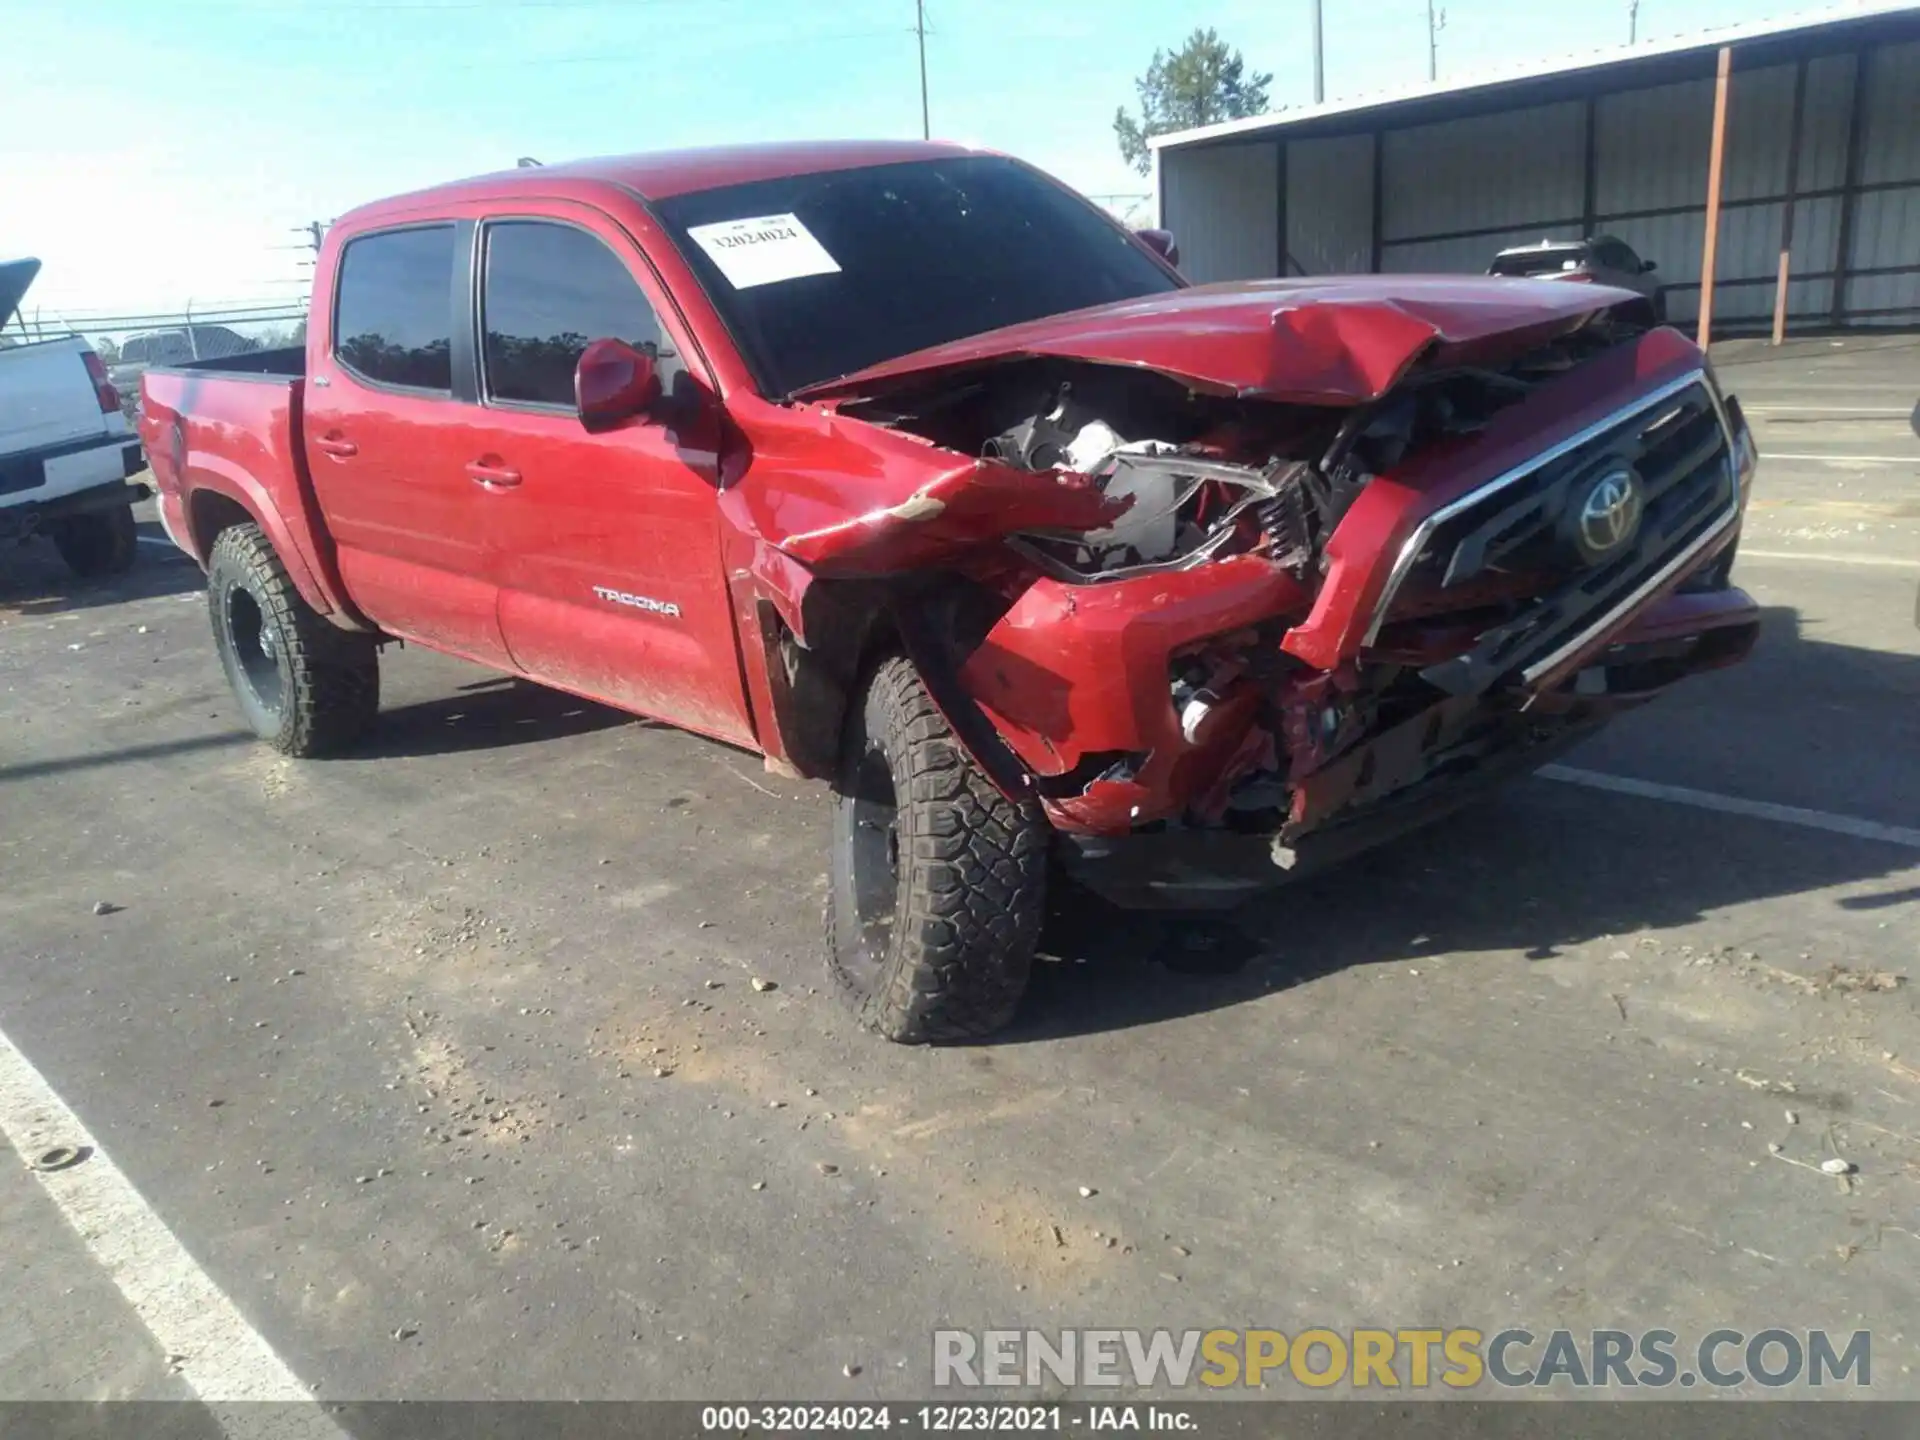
[{"x": 1203, "y": 82}]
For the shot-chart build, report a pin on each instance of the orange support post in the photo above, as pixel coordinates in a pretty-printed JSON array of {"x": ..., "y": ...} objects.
[{"x": 1710, "y": 254}]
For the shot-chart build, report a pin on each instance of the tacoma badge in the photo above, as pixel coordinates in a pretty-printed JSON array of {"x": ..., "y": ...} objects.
[{"x": 639, "y": 602}]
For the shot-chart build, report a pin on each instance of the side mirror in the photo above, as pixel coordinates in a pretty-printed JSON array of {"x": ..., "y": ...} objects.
[
  {"x": 614, "y": 382},
  {"x": 1647, "y": 267},
  {"x": 1161, "y": 243}
]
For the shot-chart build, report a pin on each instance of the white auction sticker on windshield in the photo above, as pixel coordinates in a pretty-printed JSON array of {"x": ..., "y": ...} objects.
[{"x": 764, "y": 249}]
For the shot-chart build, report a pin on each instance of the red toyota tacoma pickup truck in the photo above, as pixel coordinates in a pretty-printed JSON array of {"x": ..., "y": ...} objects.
[{"x": 905, "y": 467}]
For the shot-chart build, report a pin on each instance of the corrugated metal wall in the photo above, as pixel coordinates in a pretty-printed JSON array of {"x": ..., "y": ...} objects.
[
  {"x": 1497, "y": 176},
  {"x": 1457, "y": 192},
  {"x": 1886, "y": 224},
  {"x": 1228, "y": 204},
  {"x": 1329, "y": 206}
]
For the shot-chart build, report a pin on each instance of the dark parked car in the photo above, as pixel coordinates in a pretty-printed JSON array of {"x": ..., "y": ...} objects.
[{"x": 1597, "y": 260}]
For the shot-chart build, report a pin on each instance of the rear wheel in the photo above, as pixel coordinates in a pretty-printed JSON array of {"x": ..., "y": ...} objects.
[
  {"x": 103, "y": 542},
  {"x": 307, "y": 687},
  {"x": 938, "y": 881}
]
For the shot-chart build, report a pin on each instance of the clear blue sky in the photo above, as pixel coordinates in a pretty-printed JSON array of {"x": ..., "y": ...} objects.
[{"x": 154, "y": 151}]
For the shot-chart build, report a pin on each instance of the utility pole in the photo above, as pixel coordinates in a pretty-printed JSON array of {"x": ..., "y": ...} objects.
[
  {"x": 1435, "y": 24},
  {"x": 1633, "y": 22},
  {"x": 920, "y": 32},
  {"x": 1319, "y": 58}
]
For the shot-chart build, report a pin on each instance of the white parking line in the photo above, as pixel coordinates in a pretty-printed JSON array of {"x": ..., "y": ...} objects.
[
  {"x": 1902, "y": 411},
  {"x": 1890, "y": 562},
  {"x": 1733, "y": 805},
  {"x": 214, "y": 1350},
  {"x": 1766, "y": 455}
]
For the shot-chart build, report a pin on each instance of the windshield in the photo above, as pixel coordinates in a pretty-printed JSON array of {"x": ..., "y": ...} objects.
[{"x": 820, "y": 275}]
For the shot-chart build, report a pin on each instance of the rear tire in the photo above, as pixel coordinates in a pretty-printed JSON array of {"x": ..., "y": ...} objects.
[
  {"x": 308, "y": 688},
  {"x": 937, "y": 887},
  {"x": 104, "y": 542}
]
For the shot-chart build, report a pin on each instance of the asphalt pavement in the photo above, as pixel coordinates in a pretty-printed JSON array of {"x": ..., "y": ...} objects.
[{"x": 444, "y": 1066}]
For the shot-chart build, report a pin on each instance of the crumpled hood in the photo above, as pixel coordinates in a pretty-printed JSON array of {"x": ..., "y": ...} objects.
[
  {"x": 16, "y": 277},
  {"x": 1331, "y": 340}
]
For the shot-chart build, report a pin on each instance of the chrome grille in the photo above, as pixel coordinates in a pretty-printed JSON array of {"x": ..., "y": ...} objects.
[{"x": 1675, "y": 441}]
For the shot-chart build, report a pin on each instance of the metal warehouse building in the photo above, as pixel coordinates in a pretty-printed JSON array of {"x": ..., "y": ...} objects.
[{"x": 1820, "y": 118}]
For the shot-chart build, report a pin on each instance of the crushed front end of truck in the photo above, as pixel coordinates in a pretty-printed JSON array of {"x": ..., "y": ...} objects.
[{"x": 1239, "y": 596}]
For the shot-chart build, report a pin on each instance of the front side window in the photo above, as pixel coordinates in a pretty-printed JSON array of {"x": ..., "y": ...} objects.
[
  {"x": 549, "y": 290},
  {"x": 393, "y": 319}
]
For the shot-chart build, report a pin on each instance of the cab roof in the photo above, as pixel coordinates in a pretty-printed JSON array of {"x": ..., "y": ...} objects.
[{"x": 665, "y": 173}]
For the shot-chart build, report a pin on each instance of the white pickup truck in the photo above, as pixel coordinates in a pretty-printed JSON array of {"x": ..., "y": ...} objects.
[{"x": 66, "y": 450}]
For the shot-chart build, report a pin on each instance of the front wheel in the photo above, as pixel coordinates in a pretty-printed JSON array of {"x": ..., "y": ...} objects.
[
  {"x": 938, "y": 881},
  {"x": 99, "y": 543},
  {"x": 305, "y": 686}
]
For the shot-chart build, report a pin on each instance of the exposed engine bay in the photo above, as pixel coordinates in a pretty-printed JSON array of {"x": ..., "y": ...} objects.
[{"x": 1206, "y": 476}]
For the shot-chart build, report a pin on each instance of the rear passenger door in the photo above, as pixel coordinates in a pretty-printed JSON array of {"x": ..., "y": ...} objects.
[
  {"x": 609, "y": 551},
  {"x": 383, "y": 426}
]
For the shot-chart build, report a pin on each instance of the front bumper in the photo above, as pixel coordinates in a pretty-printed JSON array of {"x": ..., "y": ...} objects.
[
  {"x": 1217, "y": 869},
  {"x": 1391, "y": 786}
]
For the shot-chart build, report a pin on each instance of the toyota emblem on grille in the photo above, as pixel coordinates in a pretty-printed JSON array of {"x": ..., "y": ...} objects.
[{"x": 1609, "y": 515}]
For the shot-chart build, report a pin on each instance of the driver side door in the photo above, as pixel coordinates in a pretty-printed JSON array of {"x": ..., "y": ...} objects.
[{"x": 607, "y": 545}]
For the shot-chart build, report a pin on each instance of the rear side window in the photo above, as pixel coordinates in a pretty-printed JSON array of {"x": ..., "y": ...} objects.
[
  {"x": 393, "y": 319},
  {"x": 550, "y": 289}
]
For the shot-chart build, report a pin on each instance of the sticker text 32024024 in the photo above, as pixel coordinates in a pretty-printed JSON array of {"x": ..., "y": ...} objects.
[{"x": 763, "y": 249}]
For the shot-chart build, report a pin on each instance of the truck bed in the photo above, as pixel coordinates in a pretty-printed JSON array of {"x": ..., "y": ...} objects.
[
  {"x": 233, "y": 425},
  {"x": 287, "y": 363}
]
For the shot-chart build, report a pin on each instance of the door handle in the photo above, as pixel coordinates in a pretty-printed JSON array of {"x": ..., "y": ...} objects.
[
  {"x": 494, "y": 477},
  {"x": 335, "y": 446}
]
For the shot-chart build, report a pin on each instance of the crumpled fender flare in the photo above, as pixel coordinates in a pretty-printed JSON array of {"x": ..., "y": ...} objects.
[{"x": 939, "y": 669}]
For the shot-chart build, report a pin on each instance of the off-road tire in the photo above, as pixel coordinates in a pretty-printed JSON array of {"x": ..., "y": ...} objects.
[
  {"x": 99, "y": 543},
  {"x": 307, "y": 687},
  {"x": 948, "y": 958}
]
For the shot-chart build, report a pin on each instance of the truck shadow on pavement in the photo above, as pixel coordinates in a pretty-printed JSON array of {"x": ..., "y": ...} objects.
[
  {"x": 1540, "y": 869},
  {"x": 34, "y": 581},
  {"x": 489, "y": 714}
]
